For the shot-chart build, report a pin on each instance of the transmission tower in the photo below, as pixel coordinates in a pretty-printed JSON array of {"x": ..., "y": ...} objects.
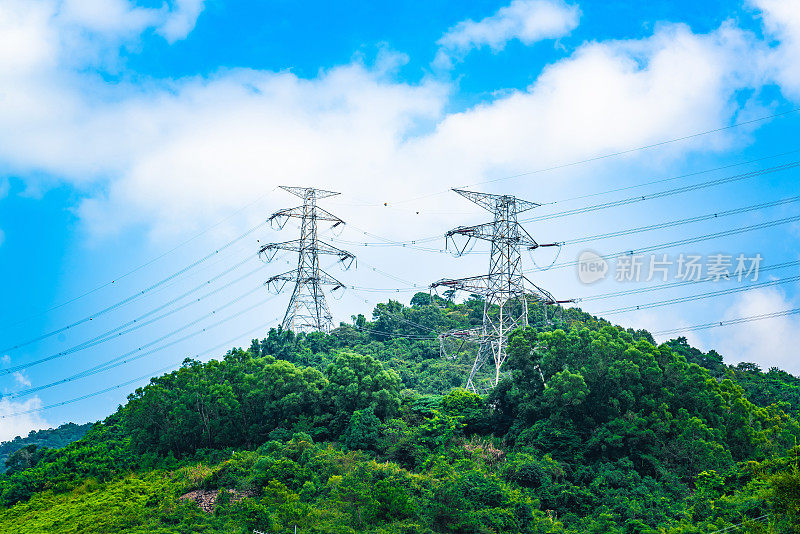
[
  {"x": 505, "y": 289},
  {"x": 308, "y": 311}
]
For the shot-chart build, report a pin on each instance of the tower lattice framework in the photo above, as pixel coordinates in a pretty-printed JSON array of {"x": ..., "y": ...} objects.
[
  {"x": 308, "y": 310},
  {"x": 505, "y": 289}
]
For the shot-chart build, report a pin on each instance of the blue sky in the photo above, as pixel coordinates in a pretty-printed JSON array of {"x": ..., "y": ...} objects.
[{"x": 138, "y": 131}]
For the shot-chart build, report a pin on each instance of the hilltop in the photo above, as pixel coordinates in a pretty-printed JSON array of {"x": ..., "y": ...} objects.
[{"x": 596, "y": 429}]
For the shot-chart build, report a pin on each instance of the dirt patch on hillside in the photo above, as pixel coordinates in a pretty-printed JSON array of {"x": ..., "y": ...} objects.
[{"x": 207, "y": 499}]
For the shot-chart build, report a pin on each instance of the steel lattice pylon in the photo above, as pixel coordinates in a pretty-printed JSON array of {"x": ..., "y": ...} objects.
[
  {"x": 505, "y": 289},
  {"x": 307, "y": 311}
]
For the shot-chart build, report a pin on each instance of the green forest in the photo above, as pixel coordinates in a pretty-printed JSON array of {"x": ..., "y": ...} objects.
[
  {"x": 593, "y": 429},
  {"x": 38, "y": 440}
]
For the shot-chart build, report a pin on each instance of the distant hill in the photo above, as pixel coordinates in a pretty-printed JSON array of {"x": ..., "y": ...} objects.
[{"x": 52, "y": 438}]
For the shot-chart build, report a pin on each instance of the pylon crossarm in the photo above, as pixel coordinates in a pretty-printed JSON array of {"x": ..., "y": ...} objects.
[
  {"x": 328, "y": 280},
  {"x": 277, "y": 282},
  {"x": 478, "y": 231},
  {"x": 268, "y": 251},
  {"x": 303, "y": 191},
  {"x": 489, "y": 201},
  {"x": 469, "y": 333},
  {"x": 486, "y": 232},
  {"x": 473, "y": 284},
  {"x": 526, "y": 239},
  {"x": 279, "y": 218},
  {"x": 325, "y": 248}
]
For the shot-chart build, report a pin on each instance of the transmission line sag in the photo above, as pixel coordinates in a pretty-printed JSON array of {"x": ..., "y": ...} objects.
[{"x": 308, "y": 310}]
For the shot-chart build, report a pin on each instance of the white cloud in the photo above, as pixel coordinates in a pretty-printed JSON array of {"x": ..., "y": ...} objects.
[
  {"x": 782, "y": 22},
  {"x": 353, "y": 124},
  {"x": 527, "y": 20},
  {"x": 2, "y": 236},
  {"x": 6, "y": 359},
  {"x": 766, "y": 342},
  {"x": 181, "y": 19},
  {"x": 15, "y": 422},
  {"x": 110, "y": 17},
  {"x": 176, "y": 154},
  {"x": 609, "y": 96},
  {"x": 21, "y": 379}
]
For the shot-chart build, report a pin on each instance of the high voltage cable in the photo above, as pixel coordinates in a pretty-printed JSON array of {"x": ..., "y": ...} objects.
[
  {"x": 137, "y": 354},
  {"x": 689, "y": 298},
  {"x": 643, "y": 229},
  {"x": 387, "y": 242},
  {"x": 657, "y": 226},
  {"x": 120, "y": 330},
  {"x": 660, "y": 287},
  {"x": 136, "y": 295},
  {"x": 665, "y": 193},
  {"x": 613, "y": 154},
  {"x": 728, "y": 322},
  {"x": 688, "y": 220},
  {"x": 690, "y": 240},
  {"x": 131, "y": 381},
  {"x": 128, "y": 273},
  {"x": 170, "y": 334},
  {"x": 149, "y": 344},
  {"x": 403, "y": 319},
  {"x": 670, "y": 179},
  {"x": 636, "y": 149},
  {"x": 109, "y": 334}
]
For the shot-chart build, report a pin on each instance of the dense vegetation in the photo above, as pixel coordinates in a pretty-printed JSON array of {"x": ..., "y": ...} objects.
[
  {"x": 36, "y": 440},
  {"x": 595, "y": 430}
]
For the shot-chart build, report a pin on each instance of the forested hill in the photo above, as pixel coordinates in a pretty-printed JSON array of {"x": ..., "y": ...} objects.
[
  {"x": 594, "y": 430},
  {"x": 51, "y": 438}
]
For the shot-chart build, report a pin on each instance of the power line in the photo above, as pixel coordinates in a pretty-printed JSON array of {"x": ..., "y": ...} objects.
[
  {"x": 737, "y": 526},
  {"x": 134, "y": 296},
  {"x": 651, "y": 227},
  {"x": 147, "y": 263},
  {"x": 137, "y": 323},
  {"x": 688, "y": 220},
  {"x": 666, "y": 193},
  {"x": 740, "y": 320},
  {"x": 133, "y": 380},
  {"x": 697, "y": 239},
  {"x": 149, "y": 344},
  {"x": 413, "y": 243},
  {"x": 710, "y": 294},
  {"x": 660, "y": 287},
  {"x": 612, "y": 154},
  {"x": 670, "y": 179},
  {"x": 636, "y": 149},
  {"x": 137, "y": 354}
]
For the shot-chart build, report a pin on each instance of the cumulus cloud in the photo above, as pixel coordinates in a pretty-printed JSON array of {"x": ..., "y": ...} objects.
[
  {"x": 6, "y": 359},
  {"x": 176, "y": 154},
  {"x": 782, "y": 23},
  {"x": 527, "y": 20},
  {"x": 607, "y": 96},
  {"x": 14, "y": 421},
  {"x": 181, "y": 19},
  {"x": 766, "y": 342}
]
